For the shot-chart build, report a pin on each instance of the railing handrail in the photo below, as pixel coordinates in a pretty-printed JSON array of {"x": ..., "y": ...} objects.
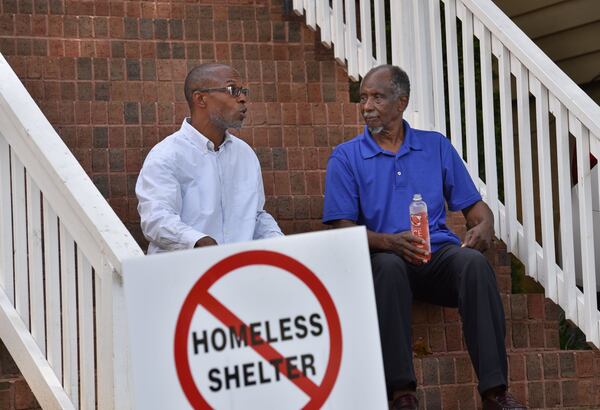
[
  {"x": 537, "y": 62},
  {"x": 74, "y": 197}
]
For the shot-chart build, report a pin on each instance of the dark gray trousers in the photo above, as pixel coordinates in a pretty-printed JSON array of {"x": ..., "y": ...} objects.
[{"x": 455, "y": 277}]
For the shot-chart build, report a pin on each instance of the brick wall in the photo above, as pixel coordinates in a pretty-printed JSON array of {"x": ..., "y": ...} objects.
[{"x": 109, "y": 77}]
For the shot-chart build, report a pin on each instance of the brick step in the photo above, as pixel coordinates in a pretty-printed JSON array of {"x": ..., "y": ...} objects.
[
  {"x": 517, "y": 307},
  {"x": 531, "y": 323},
  {"x": 551, "y": 379}
]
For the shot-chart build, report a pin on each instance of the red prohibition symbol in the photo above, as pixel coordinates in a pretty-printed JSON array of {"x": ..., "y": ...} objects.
[{"x": 199, "y": 296}]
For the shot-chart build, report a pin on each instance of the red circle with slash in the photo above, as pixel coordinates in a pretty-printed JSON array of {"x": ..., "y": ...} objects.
[{"x": 199, "y": 295}]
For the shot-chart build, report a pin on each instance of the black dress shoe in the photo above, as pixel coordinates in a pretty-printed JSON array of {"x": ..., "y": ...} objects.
[
  {"x": 502, "y": 401},
  {"x": 406, "y": 401}
]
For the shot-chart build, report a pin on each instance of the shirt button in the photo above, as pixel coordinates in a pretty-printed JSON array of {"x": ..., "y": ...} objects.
[{"x": 399, "y": 173}]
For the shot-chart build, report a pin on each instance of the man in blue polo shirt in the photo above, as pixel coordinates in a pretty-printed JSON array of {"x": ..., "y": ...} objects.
[{"x": 370, "y": 181}]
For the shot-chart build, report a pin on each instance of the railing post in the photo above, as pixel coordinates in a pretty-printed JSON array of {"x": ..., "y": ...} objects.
[
  {"x": 87, "y": 366},
  {"x": 122, "y": 367},
  {"x": 104, "y": 336},
  {"x": 114, "y": 374}
]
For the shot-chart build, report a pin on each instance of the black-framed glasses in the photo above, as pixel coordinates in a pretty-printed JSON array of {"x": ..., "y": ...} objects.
[{"x": 233, "y": 91}]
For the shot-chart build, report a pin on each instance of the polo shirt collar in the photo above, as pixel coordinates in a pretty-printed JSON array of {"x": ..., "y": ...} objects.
[
  {"x": 369, "y": 147},
  {"x": 199, "y": 140}
]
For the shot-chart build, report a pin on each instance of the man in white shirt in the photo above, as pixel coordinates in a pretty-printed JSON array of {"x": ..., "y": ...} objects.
[{"x": 201, "y": 185}]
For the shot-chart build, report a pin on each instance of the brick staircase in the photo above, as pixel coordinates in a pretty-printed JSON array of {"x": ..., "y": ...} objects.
[{"x": 540, "y": 374}]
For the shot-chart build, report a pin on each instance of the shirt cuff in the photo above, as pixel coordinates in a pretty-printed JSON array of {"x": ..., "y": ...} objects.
[{"x": 189, "y": 238}]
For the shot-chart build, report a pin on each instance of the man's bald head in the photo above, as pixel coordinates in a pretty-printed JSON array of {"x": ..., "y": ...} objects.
[{"x": 203, "y": 76}]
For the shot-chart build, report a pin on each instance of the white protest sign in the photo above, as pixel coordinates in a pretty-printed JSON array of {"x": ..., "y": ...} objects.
[{"x": 283, "y": 323}]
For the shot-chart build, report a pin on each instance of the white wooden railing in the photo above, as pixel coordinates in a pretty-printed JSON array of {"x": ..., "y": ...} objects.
[
  {"x": 424, "y": 41},
  {"x": 61, "y": 304}
]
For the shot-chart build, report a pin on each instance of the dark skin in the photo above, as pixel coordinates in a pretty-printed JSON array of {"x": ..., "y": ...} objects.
[
  {"x": 212, "y": 113},
  {"x": 383, "y": 111}
]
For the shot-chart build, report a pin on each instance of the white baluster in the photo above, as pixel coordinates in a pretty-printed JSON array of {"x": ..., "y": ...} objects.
[
  {"x": 567, "y": 292},
  {"x": 86, "y": 332},
  {"x": 528, "y": 249},
  {"x": 380, "y": 38},
  {"x": 339, "y": 48},
  {"x": 588, "y": 264},
  {"x": 20, "y": 239},
  {"x": 6, "y": 240},
  {"x": 489, "y": 128},
  {"x": 454, "y": 101},
  {"x": 437, "y": 66},
  {"x": 36, "y": 274},
  {"x": 69, "y": 315},
  {"x": 351, "y": 40},
  {"x": 546, "y": 182},
  {"x": 52, "y": 273},
  {"x": 469, "y": 89}
]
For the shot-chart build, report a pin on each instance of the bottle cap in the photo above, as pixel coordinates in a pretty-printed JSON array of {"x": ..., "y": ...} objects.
[{"x": 417, "y": 197}]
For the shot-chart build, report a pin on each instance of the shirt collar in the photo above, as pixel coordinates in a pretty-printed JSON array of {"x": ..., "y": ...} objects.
[
  {"x": 369, "y": 147},
  {"x": 199, "y": 140}
]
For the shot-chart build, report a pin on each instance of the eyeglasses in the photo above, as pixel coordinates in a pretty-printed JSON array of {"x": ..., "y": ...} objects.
[{"x": 233, "y": 91}]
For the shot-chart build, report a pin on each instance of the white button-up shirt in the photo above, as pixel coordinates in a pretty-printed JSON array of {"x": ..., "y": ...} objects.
[{"x": 187, "y": 190}]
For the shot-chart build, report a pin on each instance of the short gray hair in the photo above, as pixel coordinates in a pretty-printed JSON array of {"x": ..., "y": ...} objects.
[{"x": 399, "y": 79}]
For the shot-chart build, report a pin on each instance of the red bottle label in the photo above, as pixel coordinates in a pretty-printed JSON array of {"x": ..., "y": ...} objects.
[{"x": 419, "y": 226}]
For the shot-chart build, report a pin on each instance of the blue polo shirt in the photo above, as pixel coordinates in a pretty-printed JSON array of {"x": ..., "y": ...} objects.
[{"x": 374, "y": 187}]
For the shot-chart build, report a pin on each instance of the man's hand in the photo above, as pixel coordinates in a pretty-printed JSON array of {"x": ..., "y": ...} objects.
[
  {"x": 479, "y": 237},
  {"x": 404, "y": 244},
  {"x": 480, "y": 225},
  {"x": 205, "y": 241}
]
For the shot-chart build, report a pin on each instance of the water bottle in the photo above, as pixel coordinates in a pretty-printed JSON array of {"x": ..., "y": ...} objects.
[{"x": 419, "y": 223}]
